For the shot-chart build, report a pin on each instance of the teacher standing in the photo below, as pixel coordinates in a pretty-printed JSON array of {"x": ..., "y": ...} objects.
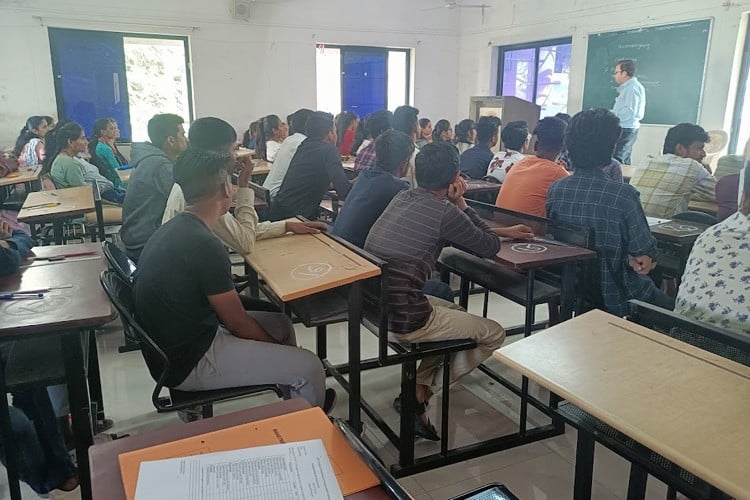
[{"x": 630, "y": 107}]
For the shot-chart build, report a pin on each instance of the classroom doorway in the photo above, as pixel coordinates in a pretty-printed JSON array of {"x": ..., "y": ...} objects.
[{"x": 361, "y": 79}]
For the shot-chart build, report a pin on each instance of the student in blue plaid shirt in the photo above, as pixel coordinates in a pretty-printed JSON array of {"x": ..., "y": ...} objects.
[{"x": 622, "y": 239}]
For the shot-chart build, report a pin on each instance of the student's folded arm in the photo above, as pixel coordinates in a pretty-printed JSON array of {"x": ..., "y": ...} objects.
[
  {"x": 12, "y": 252},
  {"x": 163, "y": 181},
  {"x": 640, "y": 240},
  {"x": 468, "y": 230},
  {"x": 238, "y": 231},
  {"x": 704, "y": 188},
  {"x": 338, "y": 177},
  {"x": 233, "y": 316}
]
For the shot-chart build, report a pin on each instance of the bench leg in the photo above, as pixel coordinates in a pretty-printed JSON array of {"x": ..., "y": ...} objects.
[
  {"x": 463, "y": 297},
  {"x": 584, "y": 475},
  {"x": 485, "y": 307},
  {"x": 321, "y": 346},
  {"x": 445, "y": 407},
  {"x": 637, "y": 483},
  {"x": 530, "y": 307},
  {"x": 408, "y": 399}
]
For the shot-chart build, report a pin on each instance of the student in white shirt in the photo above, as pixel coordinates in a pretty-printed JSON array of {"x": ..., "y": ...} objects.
[
  {"x": 515, "y": 137},
  {"x": 286, "y": 152},
  {"x": 271, "y": 133}
]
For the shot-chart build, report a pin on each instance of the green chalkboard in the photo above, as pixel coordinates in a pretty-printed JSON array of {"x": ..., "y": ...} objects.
[{"x": 670, "y": 62}]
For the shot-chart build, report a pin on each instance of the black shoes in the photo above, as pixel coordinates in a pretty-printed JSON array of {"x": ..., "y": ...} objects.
[
  {"x": 330, "y": 400},
  {"x": 421, "y": 429}
]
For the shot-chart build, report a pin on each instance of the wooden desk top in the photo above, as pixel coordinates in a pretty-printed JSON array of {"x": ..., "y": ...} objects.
[
  {"x": 678, "y": 231},
  {"x": 106, "y": 480},
  {"x": 522, "y": 255},
  {"x": 682, "y": 402},
  {"x": 124, "y": 175},
  {"x": 82, "y": 305},
  {"x": 708, "y": 207},
  {"x": 298, "y": 265},
  {"x": 25, "y": 174},
  {"x": 262, "y": 168},
  {"x": 71, "y": 202},
  {"x": 481, "y": 186}
]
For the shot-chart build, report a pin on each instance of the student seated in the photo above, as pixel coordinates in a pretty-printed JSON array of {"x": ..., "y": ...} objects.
[
  {"x": 668, "y": 182},
  {"x": 43, "y": 461},
  {"x": 443, "y": 132},
  {"x": 240, "y": 230},
  {"x": 375, "y": 187},
  {"x": 151, "y": 181},
  {"x": 715, "y": 287},
  {"x": 625, "y": 247},
  {"x": 466, "y": 135},
  {"x": 515, "y": 137},
  {"x": 409, "y": 236},
  {"x": 346, "y": 129},
  {"x": 271, "y": 133},
  {"x": 288, "y": 149},
  {"x": 104, "y": 152},
  {"x": 525, "y": 187},
  {"x": 69, "y": 170},
  {"x": 186, "y": 300},
  {"x": 406, "y": 120},
  {"x": 30, "y": 142},
  {"x": 727, "y": 189},
  {"x": 375, "y": 124},
  {"x": 474, "y": 161},
  {"x": 248, "y": 138},
  {"x": 315, "y": 166},
  {"x": 425, "y": 132}
]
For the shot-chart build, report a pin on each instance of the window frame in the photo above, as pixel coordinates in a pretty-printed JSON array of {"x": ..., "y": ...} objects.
[
  {"x": 374, "y": 50},
  {"x": 59, "y": 99},
  {"x": 739, "y": 103},
  {"x": 536, "y": 45}
]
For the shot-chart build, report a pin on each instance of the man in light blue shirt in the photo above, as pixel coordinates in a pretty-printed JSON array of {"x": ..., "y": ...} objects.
[{"x": 630, "y": 107}]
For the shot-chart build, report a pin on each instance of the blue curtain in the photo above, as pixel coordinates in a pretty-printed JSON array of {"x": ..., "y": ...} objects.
[
  {"x": 364, "y": 81},
  {"x": 90, "y": 80}
]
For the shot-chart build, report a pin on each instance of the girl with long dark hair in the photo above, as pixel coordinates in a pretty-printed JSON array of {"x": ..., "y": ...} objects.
[
  {"x": 103, "y": 150},
  {"x": 271, "y": 133},
  {"x": 30, "y": 142}
]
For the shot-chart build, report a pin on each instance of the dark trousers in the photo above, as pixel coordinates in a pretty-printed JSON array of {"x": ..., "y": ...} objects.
[
  {"x": 43, "y": 461},
  {"x": 624, "y": 145}
]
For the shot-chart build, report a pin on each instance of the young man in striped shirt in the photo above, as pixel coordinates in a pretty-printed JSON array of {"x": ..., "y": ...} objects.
[{"x": 409, "y": 236}]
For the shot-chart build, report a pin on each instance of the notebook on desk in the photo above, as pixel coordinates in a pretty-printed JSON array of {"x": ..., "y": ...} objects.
[{"x": 351, "y": 472}]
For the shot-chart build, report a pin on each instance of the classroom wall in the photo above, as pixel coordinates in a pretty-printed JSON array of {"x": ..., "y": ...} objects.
[
  {"x": 241, "y": 69},
  {"x": 519, "y": 21}
]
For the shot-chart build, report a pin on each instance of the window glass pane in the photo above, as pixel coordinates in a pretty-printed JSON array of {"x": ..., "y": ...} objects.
[
  {"x": 396, "y": 79},
  {"x": 157, "y": 81},
  {"x": 328, "y": 77},
  {"x": 553, "y": 76},
  {"x": 519, "y": 71},
  {"x": 90, "y": 74},
  {"x": 364, "y": 84}
]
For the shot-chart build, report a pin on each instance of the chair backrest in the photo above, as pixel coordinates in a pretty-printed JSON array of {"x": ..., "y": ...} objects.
[
  {"x": 718, "y": 142},
  {"x": 119, "y": 261},
  {"x": 694, "y": 216},
  {"x": 716, "y": 340},
  {"x": 120, "y": 293},
  {"x": 499, "y": 217},
  {"x": 588, "y": 279}
]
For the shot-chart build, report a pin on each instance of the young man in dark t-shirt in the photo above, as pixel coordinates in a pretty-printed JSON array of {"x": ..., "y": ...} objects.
[
  {"x": 315, "y": 166},
  {"x": 186, "y": 300}
]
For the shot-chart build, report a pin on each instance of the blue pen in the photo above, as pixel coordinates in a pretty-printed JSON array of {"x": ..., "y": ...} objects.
[{"x": 15, "y": 296}]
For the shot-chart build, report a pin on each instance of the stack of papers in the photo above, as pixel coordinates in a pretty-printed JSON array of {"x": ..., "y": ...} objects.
[{"x": 287, "y": 471}]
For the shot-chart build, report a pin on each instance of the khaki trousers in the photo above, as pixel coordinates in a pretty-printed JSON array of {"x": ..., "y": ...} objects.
[{"x": 448, "y": 321}]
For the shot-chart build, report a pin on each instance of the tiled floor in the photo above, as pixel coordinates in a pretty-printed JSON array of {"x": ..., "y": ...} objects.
[{"x": 480, "y": 409}]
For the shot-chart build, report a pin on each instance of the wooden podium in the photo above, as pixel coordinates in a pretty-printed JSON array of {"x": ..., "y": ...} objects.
[{"x": 508, "y": 109}]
